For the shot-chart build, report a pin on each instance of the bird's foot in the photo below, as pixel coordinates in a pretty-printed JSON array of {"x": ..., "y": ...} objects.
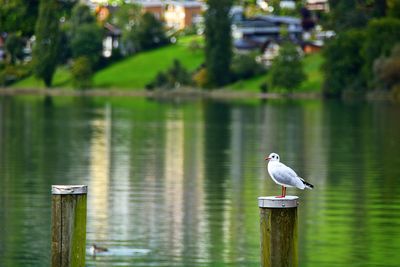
[{"x": 280, "y": 197}]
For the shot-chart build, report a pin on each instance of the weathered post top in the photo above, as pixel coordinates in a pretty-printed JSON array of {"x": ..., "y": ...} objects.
[
  {"x": 274, "y": 202},
  {"x": 68, "y": 189}
]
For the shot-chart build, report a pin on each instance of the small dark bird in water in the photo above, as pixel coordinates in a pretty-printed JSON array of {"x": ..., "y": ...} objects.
[{"x": 95, "y": 249}]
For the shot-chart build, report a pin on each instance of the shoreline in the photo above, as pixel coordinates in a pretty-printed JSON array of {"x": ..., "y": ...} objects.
[
  {"x": 188, "y": 93},
  {"x": 181, "y": 93}
]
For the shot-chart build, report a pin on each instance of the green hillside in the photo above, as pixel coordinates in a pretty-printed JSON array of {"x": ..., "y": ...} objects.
[
  {"x": 312, "y": 67},
  {"x": 138, "y": 70},
  {"x": 135, "y": 72},
  {"x": 62, "y": 78}
]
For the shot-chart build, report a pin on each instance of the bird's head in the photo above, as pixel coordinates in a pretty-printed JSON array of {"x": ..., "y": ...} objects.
[{"x": 273, "y": 157}]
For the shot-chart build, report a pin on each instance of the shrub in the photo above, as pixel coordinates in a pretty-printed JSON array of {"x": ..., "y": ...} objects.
[
  {"x": 12, "y": 73},
  {"x": 149, "y": 33},
  {"x": 14, "y": 48},
  {"x": 381, "y": 36},
  {"x": 246, "y": 66},
  {"x": 287, "y": 70},
  {"x": 82, "y": 73},
  {"x": 200, "y": 78},
  {"x": 387, "y": 70},
  {"x": 174, "y": 77},
  {"x": 87, "y": 42}
]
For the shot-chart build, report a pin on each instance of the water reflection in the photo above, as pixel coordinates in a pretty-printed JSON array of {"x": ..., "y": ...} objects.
[{"x": 176, "y": 185}]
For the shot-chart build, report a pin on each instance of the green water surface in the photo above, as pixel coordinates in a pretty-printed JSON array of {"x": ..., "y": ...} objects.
[{"x": 176, "y": 183}]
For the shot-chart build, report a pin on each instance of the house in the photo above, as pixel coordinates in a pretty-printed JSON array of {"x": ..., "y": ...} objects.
[
  {"x": 311, "y": 47},
  {"x": 111, "y": 39},
  {"x": 259, "y": 30},
  {"x": 179, "y": 15},
  {"x": 270, "y": 51},
  {"x": 176, "y": 14},
  {"x": 154, "y": 7},
  {"x": 318, "y": 5}
]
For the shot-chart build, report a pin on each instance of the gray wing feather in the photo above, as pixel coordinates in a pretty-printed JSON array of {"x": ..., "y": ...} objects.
[{"x": 285, "y": 175}]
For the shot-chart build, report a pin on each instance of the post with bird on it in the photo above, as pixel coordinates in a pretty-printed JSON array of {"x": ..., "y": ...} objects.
[
  {"x": 278, "y": 217},
  {"x": 68, "y": 216}
]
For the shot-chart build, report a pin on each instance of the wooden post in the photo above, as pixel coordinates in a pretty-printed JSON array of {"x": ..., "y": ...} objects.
[
  {"x": 278, "y": 224},
  {"x": 68, "y": 247}
]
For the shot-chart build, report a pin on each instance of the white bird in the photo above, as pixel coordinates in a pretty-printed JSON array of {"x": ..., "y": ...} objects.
[{"x": 284, "y": 176}]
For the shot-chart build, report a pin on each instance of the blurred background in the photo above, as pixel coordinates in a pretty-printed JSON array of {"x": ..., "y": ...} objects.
[{"x": 186, "y": 100}]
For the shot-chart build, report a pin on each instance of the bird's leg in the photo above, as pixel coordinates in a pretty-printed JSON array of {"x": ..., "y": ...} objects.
[{"x": 283, "y": 193}]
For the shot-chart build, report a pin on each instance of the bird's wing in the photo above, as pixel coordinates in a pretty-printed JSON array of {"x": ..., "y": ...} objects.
[{"x": 285, "y": 175}]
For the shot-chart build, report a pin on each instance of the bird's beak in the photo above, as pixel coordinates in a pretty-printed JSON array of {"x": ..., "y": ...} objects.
[{"x": 267, "y": 158}]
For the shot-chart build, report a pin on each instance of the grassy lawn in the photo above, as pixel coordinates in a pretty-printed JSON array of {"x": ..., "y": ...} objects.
[
  {"x": 312, "y": 68},
  {"x": 135, "y": 72},
  {"x": 138, "y": 70},
  {"x": 62, "y": 78}
]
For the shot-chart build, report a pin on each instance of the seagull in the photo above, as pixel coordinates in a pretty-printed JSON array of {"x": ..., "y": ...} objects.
[{"x": 284, "y": 176}]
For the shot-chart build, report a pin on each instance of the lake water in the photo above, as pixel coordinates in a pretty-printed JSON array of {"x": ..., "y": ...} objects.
[{"x": 176, "y": 184}]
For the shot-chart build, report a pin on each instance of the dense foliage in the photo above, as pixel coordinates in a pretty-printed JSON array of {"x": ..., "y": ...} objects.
[
  {"x": 86, "y": 43},
  {"x": 381, "y": 36},
  {"x": 173, "y": 78},
  {"x": 127, "y": 19},
  {"x": 82, "y": 72},
  {"x": 18, "y": 16},
  {"x": 218, "y": 47},
  {"x": 344, "y": 63},
  {"x": 366, "y": 32},
  {"x": 286, "y": 71},
  {"x": 45, "y": 53},
  {"x": 386, "y": 70},
  {"x": 149, "y": 33},
  {"x": 14, "y": 48},
  {"x": 245, "y": 66}
]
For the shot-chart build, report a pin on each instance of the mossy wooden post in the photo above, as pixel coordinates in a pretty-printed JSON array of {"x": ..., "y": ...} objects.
[
  {"x": 68, "y": 247},
  {"x": 278, "y": 225}
]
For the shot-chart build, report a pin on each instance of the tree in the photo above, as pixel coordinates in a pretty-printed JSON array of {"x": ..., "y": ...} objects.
[
  {"x": 87, "y": 41},
  {"x": 381, "y": 37},
  {"x": 149, "y": 33},
  {"x": 343, "y": 63},
  {"x": 81, "y": 14},
  {"x": 18, "y": 16},
  {"x": 86, "y": 44},
  {"x": 46, "y": 49},
  {"x": 346, "y": 14},
  {"x": 393, "y": 7},
  {"x": 14, "y": 48},
  {"x": 82, "y": 73},
  {"x": 387, "y": 69},
  {"x": 127, "y": 19},
  {"x": 286, "y": 70},
  {"x": 218, "y": 41}
]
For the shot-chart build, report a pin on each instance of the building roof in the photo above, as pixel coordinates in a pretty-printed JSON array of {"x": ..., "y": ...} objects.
[
  {"x": 157, "y": 3},
  {"x": 279, "y": 19}
]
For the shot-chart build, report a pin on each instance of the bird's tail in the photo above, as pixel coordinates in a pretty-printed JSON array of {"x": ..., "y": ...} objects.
[{"x": 307, "y": 184}]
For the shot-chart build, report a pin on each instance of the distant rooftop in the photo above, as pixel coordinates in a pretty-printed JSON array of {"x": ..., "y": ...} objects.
[{"x": 150, "y": 3}]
